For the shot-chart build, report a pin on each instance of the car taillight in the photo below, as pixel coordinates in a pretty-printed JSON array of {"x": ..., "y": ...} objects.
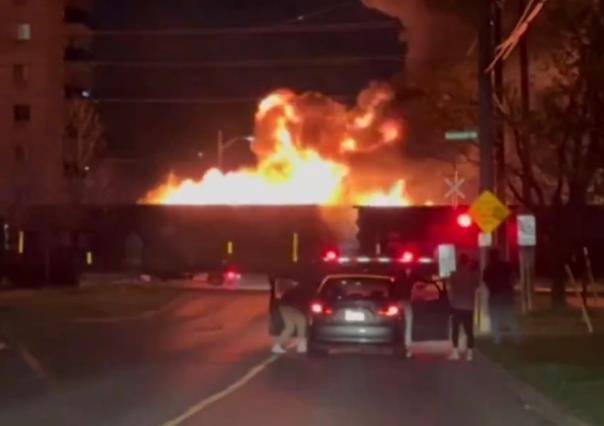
[
  {"x": 389, "y": 311},
  {"x": 232, "y": 275},
  {"x": 318, "y": 308}
]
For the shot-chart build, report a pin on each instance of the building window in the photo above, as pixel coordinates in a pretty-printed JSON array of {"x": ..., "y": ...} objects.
[
  {"x": 20, "y": 74},
  {"x": 21, "y": 113},
  {"x": 24, "y": 32}
]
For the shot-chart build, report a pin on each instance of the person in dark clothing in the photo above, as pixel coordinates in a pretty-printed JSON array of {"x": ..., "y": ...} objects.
[
  {"x": 462, "y": 286},
  {"x": 293, "y": 307},
  {"x": 498, "y": 276}
]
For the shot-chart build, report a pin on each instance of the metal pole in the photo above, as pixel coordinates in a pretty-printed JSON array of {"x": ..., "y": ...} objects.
[{"x": 485, "y": 92}]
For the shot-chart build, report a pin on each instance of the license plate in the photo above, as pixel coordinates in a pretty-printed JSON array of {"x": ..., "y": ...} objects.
[{"x": 354, "y": 316}]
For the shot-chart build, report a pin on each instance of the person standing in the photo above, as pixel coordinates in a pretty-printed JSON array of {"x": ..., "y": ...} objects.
[
  {"x": 498, "y": 276},
  {"x": 403, "y": 290},
  {"x": 462, "y": 286},
  {"x": 293, "y": 307}
]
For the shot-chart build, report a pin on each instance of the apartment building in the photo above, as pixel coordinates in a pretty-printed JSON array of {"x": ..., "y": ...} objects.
[{"x": 42, "y": 62}]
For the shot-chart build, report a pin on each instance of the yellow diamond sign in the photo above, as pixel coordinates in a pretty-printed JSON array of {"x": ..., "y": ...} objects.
[{"x": 488, "y": 212}]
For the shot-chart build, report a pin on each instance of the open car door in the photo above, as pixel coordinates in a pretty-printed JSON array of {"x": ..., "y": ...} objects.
[{"x": 431, "y": 311}]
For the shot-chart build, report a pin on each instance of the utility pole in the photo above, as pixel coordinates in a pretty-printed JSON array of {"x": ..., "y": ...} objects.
[
  {"x": 499, "y": 131},
  {"x": 525, "y": 98},
  {"x": 485, "y": 94},
  {"x": 486, "y": 133},
  {"x": 526, "y": 254},
  {"x": 500, "y": 177}
]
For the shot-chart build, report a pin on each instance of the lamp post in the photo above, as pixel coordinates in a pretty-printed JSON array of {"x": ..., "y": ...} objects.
[{"x": 223, "y": 145}]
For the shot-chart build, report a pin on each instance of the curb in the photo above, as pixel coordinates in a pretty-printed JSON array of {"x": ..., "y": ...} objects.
[{"x": 533, "y": 399}]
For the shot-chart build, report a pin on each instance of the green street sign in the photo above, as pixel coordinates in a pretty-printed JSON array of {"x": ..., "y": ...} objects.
[{"x": 465, "y": 135}]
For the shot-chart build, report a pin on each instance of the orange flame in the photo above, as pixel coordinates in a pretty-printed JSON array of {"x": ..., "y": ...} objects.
[{"x": 302, "y": 143}]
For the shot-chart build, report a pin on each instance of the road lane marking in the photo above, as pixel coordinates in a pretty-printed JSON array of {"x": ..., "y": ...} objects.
[
  {"x": 205, "y": 403},
  {"x": 32, "y": 362}
]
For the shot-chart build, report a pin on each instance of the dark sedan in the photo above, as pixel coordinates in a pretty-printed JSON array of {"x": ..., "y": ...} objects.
[{"x": 355, "y": 309}]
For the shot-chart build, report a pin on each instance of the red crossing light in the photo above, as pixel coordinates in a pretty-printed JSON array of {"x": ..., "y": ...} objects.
[
  {"x": 330, "y": 256},
  {"x": 464, "y": 220},
  {"x": 406, "y": 257}
]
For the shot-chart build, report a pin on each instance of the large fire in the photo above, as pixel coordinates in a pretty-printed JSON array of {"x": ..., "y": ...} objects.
[{"x": 311, "y": 150}]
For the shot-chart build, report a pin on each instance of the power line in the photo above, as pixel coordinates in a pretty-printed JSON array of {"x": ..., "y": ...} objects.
[
  {"x": 341, "y": 61},
  {"x": 323, "y": 28}
]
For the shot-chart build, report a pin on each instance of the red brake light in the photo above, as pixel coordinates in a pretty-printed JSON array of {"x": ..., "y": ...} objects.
[
  {"x": 317, "y": 308},
  {"x": 464, "y": 220},
  {"x": 330, "y": 256},
  {"x": 232, "y": 275},
  {"x": 406, "y": 257},
  {"x": 389, "y": 311}
]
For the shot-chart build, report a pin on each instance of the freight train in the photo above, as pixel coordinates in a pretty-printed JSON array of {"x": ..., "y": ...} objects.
[{"x": 172, "y": 240}]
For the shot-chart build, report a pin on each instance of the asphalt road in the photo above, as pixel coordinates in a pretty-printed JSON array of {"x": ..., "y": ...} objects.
[{"x": 206, "y": 362}]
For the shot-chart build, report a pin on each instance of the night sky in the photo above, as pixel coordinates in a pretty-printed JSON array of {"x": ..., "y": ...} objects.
[{"x": 175, "y": 131}]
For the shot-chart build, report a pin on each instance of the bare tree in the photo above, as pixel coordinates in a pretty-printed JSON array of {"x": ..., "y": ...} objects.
[
  {"x": 559, "y": 146},
  {"x": 84, "y": 141}
]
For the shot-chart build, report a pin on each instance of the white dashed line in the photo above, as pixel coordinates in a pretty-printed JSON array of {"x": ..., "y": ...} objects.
[{"x": 32, "y": 362}]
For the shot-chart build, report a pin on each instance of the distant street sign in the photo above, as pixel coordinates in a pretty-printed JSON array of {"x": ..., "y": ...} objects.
[
  {"x": 488, "y": 212},
  {"x": 454, "y": 192},
  {"x": 463, "y": 135},
  {"x": 527, "y": 230}
]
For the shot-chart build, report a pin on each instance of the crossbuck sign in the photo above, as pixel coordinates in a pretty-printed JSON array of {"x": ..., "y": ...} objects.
[{"x": 454, "y": 192}]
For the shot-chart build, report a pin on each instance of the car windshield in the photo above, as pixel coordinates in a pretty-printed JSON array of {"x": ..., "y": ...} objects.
[{"x": 343, "y": 288}]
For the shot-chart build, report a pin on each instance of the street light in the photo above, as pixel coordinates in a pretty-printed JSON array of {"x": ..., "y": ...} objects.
[{"x": 223, "y": 145}]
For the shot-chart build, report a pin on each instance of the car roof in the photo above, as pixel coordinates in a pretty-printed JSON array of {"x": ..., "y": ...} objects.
[{"x": 356, "y": 275}]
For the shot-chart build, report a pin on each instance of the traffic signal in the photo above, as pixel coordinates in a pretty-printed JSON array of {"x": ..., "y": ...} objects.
[
  {"x": 464, "y": 220},
  {"x": 406, "y": 257}
]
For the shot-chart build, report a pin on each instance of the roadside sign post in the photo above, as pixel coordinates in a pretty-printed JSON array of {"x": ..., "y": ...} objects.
[
  {"x": 445, "y": 253},
  {"x": 488, "y": 212},
  {"x": 481, "y": 311},
  {"x": 527, "y": 240}
]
